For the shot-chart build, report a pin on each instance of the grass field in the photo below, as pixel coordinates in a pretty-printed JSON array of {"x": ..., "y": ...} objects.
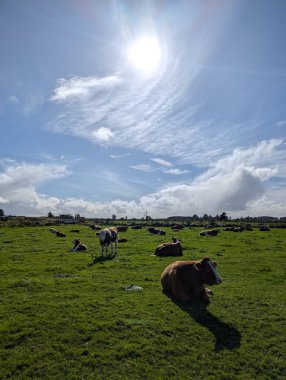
[{"x": 66, "y": 316}]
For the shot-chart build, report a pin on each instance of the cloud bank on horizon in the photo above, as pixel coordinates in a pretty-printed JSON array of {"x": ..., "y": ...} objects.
[
  {"x": 235, "y": 183},
  {"x": 200, "y": 131}
]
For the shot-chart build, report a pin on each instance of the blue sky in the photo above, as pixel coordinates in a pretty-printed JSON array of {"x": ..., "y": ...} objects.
[{"x": 89, "y": 125}]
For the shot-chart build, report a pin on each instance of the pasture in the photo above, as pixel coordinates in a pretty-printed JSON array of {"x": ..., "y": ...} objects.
[{"x": 66, "y": 316}]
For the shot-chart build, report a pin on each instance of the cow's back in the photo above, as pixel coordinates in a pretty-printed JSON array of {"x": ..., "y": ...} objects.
[{"x": 176, "y": 273}]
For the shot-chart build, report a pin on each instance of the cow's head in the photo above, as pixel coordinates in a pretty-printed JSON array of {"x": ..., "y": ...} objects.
[
  {"x": 103, "y": 237},
  {"x": 207, "y": 269},
  {"x": 76, "y": 242}
]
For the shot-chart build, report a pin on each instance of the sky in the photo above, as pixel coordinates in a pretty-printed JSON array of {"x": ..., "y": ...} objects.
[{"x": 129, "y": 108}]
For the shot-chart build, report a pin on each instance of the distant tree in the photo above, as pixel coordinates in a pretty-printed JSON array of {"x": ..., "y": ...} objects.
[
  {"x": 205, "y": 217},
  {"x": 195, "y": 217},
  {"x": 223, "y": 216},
  {"x": 2, "y": 212},
  {"x": 148, "y": 217},
  {"x": 50, "y": 215},
  {"x": 113, "y": 217}
]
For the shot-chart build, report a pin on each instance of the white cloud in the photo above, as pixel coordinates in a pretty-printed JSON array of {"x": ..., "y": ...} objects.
[
  {"x": 143, "y": 167},
  {"x": 115, "y": 156},
  {"x": 162, "y": 162},
  {"x": 18, "y": 183},
  {"x": 79, "y": 86},
  {"x": 102, "y": 134},
  {"x": 175, "y": 171},
  {"x": 235, "y": 184}
]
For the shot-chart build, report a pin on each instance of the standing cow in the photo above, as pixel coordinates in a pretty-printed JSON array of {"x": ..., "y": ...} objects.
[
  {"x": 185, "y": 280},
  {"x": 107, "y": 237}
]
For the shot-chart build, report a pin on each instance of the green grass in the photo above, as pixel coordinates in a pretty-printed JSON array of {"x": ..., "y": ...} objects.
[{"x": 65, "y": 316}]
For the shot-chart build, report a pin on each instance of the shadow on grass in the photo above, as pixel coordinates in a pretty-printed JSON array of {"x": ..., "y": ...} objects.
[
  {"x": 101, "y": 259},
  {"x": 227, "y": 337}
]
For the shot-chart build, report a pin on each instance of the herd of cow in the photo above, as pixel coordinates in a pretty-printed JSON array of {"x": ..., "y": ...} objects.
[{"x": 183, "y": 280}]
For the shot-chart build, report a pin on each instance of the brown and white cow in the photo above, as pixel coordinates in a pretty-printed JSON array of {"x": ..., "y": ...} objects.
[
  {"x": 169, "y": 249},
  {"x": 78, "y": 246},
  {"x": 186, "y": 280},
  {"x": 107, "y": 237}
]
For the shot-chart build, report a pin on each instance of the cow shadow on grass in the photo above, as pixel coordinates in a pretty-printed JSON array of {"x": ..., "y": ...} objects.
[
  {"x": 227, "y": 336},
  {"x": 102, "y": 259}
]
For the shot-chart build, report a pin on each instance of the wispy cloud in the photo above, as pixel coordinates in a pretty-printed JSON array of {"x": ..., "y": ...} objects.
[
  {"x": 175, "y": 171},
  {"x": 13, "y": 99},
  {"x": 281, "y": 124},
  {"x": 115, "y": 156},
  {"x": 162, "y": 162},
  {"x": 79, "y": 86},
  {"x": 143, "y": 167}
]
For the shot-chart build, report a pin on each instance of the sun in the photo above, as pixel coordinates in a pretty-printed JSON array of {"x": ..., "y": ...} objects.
[{"x": 144, "y": 54}]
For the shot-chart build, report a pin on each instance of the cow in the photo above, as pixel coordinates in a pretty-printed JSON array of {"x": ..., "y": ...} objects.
[
  {"x": 94, "y": 227},
  {"x": 53, "y": 230},
  {"x": 60, "y": 234},
  {"x": 78, "y": 246},
  {"x": 177, "y": 227},
  {"x": 264, "y": 228},
  {"x": 156, "y": 231},
  {"x": 228, "y": 229},
  {"x": 209, "y": 233},
  {"x": 77, "y": 231},
  {"x": 107, "y": 237},
  {"x": 136, "y": 227},
  {"x": 169, "y": 249},
  {"x": 122, "y": 228},
  {"x": 122, "y": 240},
  {"x": 186, "y": 280}
]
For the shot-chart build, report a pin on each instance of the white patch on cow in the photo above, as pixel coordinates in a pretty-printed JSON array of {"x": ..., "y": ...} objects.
[
  {"x": 102, "y": 236},
  {"x": 218, "y": 278}
]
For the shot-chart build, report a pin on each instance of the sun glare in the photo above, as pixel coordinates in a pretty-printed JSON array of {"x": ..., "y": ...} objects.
[{"x": 144, "y": 54}]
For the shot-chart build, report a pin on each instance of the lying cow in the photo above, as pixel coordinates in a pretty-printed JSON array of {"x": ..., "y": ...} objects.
[
  {"x": 122, "y": 228},
  {"x": 94, "y": 227},
  {"x": 78, "y": 246},
  {"x": 264, "y": 228},
  {"x": 209, "y": 233},
  {"x": 60, "y": 234},
  {"x": 185, "y": 280},
  {"x": 136, "y": 227},
  {"x": 177, "y": 227},
  {"x": 169, "y": 249},
  {"x": 156, "y": 231},
  {"x": 107, "y": 237}
]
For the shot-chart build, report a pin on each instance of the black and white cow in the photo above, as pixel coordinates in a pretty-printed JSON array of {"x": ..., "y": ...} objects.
[{"x": 78, "y": 246}]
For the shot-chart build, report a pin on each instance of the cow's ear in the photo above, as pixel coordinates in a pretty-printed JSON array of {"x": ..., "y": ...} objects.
[{"x": 214, "y": 263}]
